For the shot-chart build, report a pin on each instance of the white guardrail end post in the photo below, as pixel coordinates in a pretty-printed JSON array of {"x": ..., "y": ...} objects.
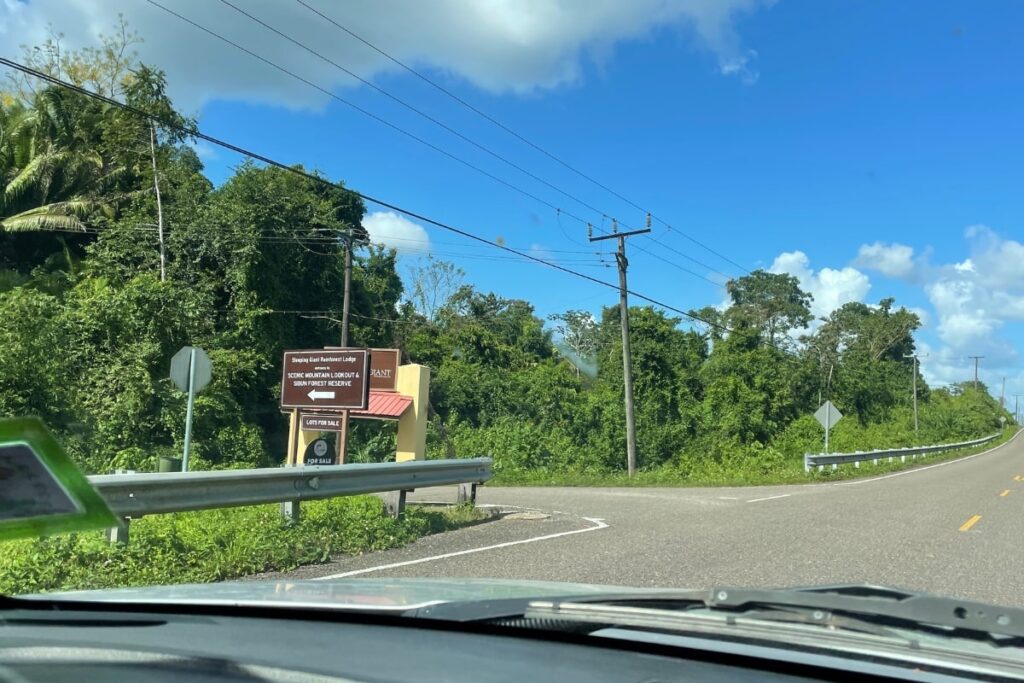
[
  {"x": 394, "y": 503},
  {"x": 291, "y": 511},
  {"x": 119, "y": 533},
  {"x": 467, "y": 492}
]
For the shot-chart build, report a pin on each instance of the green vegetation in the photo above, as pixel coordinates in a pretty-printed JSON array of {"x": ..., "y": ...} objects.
[
  {"x": 736, "y": 473},
  {"x": 89, "y": 319},
  {"x": 213, "y": 545}
]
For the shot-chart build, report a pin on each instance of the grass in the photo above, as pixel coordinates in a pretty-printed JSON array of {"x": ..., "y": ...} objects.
[
  {"x": 214, "y": 545},
  {"x": 790, "y": 473}
]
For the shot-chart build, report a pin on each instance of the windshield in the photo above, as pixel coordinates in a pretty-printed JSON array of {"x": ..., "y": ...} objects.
[{"x": 649, "y": 294}]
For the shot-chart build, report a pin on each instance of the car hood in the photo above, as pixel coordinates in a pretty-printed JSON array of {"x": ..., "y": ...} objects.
[{"x": 347, "y": 594}]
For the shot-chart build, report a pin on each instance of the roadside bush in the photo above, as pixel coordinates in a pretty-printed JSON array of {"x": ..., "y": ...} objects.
[{"x": 210, "y": 545}]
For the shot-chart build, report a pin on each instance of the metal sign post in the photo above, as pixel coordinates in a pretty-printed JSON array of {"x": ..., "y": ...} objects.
[
  {"x": 827, "y": 415},
  {"x": 191, "y": 370}
]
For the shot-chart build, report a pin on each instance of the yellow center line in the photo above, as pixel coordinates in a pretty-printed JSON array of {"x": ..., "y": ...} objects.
[
  {"x": 1005, "y": 493},
  {"x": 969, "y": 523},
  {"x": 1019, "y": 478}
]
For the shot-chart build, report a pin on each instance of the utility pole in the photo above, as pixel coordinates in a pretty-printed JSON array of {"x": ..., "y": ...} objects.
[
  {"x": 1002, "y": 396},
  {"x": 345, "y": 304},
  {"x": 914, "y": 356},
  {"x": 1016, "y": 407},
  {"x": 627, "y": 357},
  {"x": 346, "y": 295},
  {"x": 976, "y": 359}
]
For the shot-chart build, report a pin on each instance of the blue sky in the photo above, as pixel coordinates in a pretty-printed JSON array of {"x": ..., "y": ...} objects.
[{"x": 873, "y": 149}]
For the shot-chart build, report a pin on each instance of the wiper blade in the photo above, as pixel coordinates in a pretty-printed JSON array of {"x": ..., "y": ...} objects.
[
  {"x": 880, "y": 603},
  {"x": 850, "y": 607}
]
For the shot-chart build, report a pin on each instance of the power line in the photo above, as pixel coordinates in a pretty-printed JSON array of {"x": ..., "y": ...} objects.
[
  {"x": 516, "y": 135},
  {"x": 366, "y": 112},
  {"x": 401, "y": 130},
  {"x": 194, "y": 132},
  {"x": 412, "y": 108},
  {"x": 325, "y": 241}
]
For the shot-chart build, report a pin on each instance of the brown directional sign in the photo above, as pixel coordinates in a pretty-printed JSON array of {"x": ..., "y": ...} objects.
[
  {"x": 383, "y": 369},
  {"x": 325, "y": 378},
  {"x": 316, "y": 422}
]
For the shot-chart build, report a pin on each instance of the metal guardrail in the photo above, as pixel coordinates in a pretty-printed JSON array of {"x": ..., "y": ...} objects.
[
  {"x": 136, "y": 495},
  {"x": 819, "y": 460}
]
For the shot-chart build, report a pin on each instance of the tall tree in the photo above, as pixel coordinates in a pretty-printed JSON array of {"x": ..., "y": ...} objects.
[
  {"x": 577, "y": 338},
  {"x": 772, "y": 303}
]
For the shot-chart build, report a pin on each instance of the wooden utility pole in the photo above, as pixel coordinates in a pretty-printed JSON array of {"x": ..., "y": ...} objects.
[
  {"x": 345, "y": 305},
  {"x": 914, "y": 356},
  {"x": 1002, "y": 396},
  {"x": 627, "y": 357},
  {"x": 976, "y": 359}
]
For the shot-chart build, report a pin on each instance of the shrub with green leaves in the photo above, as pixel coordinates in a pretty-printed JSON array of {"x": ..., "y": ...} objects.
[{"x": 213, "y": 545}]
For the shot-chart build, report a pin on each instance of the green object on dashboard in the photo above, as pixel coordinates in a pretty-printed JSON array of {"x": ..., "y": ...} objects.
[{"x": 42, "y": 491}]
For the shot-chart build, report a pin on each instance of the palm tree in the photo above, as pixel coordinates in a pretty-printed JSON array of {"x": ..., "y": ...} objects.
[{"x": 50, "y": 174}]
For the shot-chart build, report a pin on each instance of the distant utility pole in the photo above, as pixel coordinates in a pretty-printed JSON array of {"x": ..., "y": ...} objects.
[
  {"x": 346, "y": 294},
  {"x": 627, "y": 357},
  {"x": 346, "y": 297},
  {"x": 976, "y": 359},
  {"x": 1002, "y": 396},
  {"x": 914, "y": 356},
  {"x": 1016, "y": 407}
]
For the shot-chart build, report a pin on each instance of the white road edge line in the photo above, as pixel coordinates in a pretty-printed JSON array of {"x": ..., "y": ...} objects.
[
  {"x": 855, "y": 482},
  {"x": 599, "y": 524},
  {"x": 758, "y": 500}
]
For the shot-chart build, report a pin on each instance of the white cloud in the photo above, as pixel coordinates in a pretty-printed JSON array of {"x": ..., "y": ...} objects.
[
  {"x": 974, "y": 300},
  {"x": 395, "y": 231},
  {"x": 740, "y": 66},
  {"x": 830, "y": 288},
  {"x": 512, "y": 46},
  {"x": 891, "y": 260}
]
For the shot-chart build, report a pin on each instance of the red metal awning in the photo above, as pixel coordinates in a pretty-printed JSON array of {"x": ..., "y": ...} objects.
[{"x": 384, "y": 405}]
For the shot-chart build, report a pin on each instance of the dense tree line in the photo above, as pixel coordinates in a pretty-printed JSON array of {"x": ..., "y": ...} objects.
[{"x": 89, "y": 321}]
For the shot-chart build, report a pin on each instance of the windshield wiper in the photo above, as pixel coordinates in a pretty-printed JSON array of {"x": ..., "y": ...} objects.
[{"x": 870, "y": 609}]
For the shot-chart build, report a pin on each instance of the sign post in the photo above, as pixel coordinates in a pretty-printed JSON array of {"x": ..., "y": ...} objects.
[
  {"x": 828, "y": 415},
  {"x": 325, "y": 379},
  {"x": 191, "y": 370}
]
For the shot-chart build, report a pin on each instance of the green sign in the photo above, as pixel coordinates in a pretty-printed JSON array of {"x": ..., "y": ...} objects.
[{"x": 42, "y": 492}]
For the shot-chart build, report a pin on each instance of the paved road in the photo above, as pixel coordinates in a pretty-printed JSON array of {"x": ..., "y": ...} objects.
[{"x": 951, "y": 528}]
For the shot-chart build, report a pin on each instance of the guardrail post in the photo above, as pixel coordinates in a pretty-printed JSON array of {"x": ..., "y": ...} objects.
[
  {"x": 875, "y": 462},
  {"x": 394, "y": 503},
  {"x": 119, "y": 533},
  {"x": 291, "y": 512},
  {"x": 903, "y": 458},
  {"x": 835, "y": 467},
  {"x": 467, "y": 492},
  {"x": 856, "y": 464}
]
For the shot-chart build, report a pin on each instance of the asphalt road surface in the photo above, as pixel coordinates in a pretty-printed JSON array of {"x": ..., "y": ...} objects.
[{"x": 952, "y": 528}]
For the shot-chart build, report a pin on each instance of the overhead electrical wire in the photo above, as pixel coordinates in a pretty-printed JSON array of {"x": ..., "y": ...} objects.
[
  {"x": 194, "y": 132},
  {"x": 412, "y": 108},
  {"x": 518, "y": 136},
  {"x": 417, "y": 138},
  {"x": 302, "y": 240}
]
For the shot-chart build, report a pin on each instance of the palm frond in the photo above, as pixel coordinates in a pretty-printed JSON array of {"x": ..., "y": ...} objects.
[{"x": 41, "y": 218}]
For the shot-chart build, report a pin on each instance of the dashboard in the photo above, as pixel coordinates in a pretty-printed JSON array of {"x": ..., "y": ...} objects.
[{"x": 84, "y": 645}]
